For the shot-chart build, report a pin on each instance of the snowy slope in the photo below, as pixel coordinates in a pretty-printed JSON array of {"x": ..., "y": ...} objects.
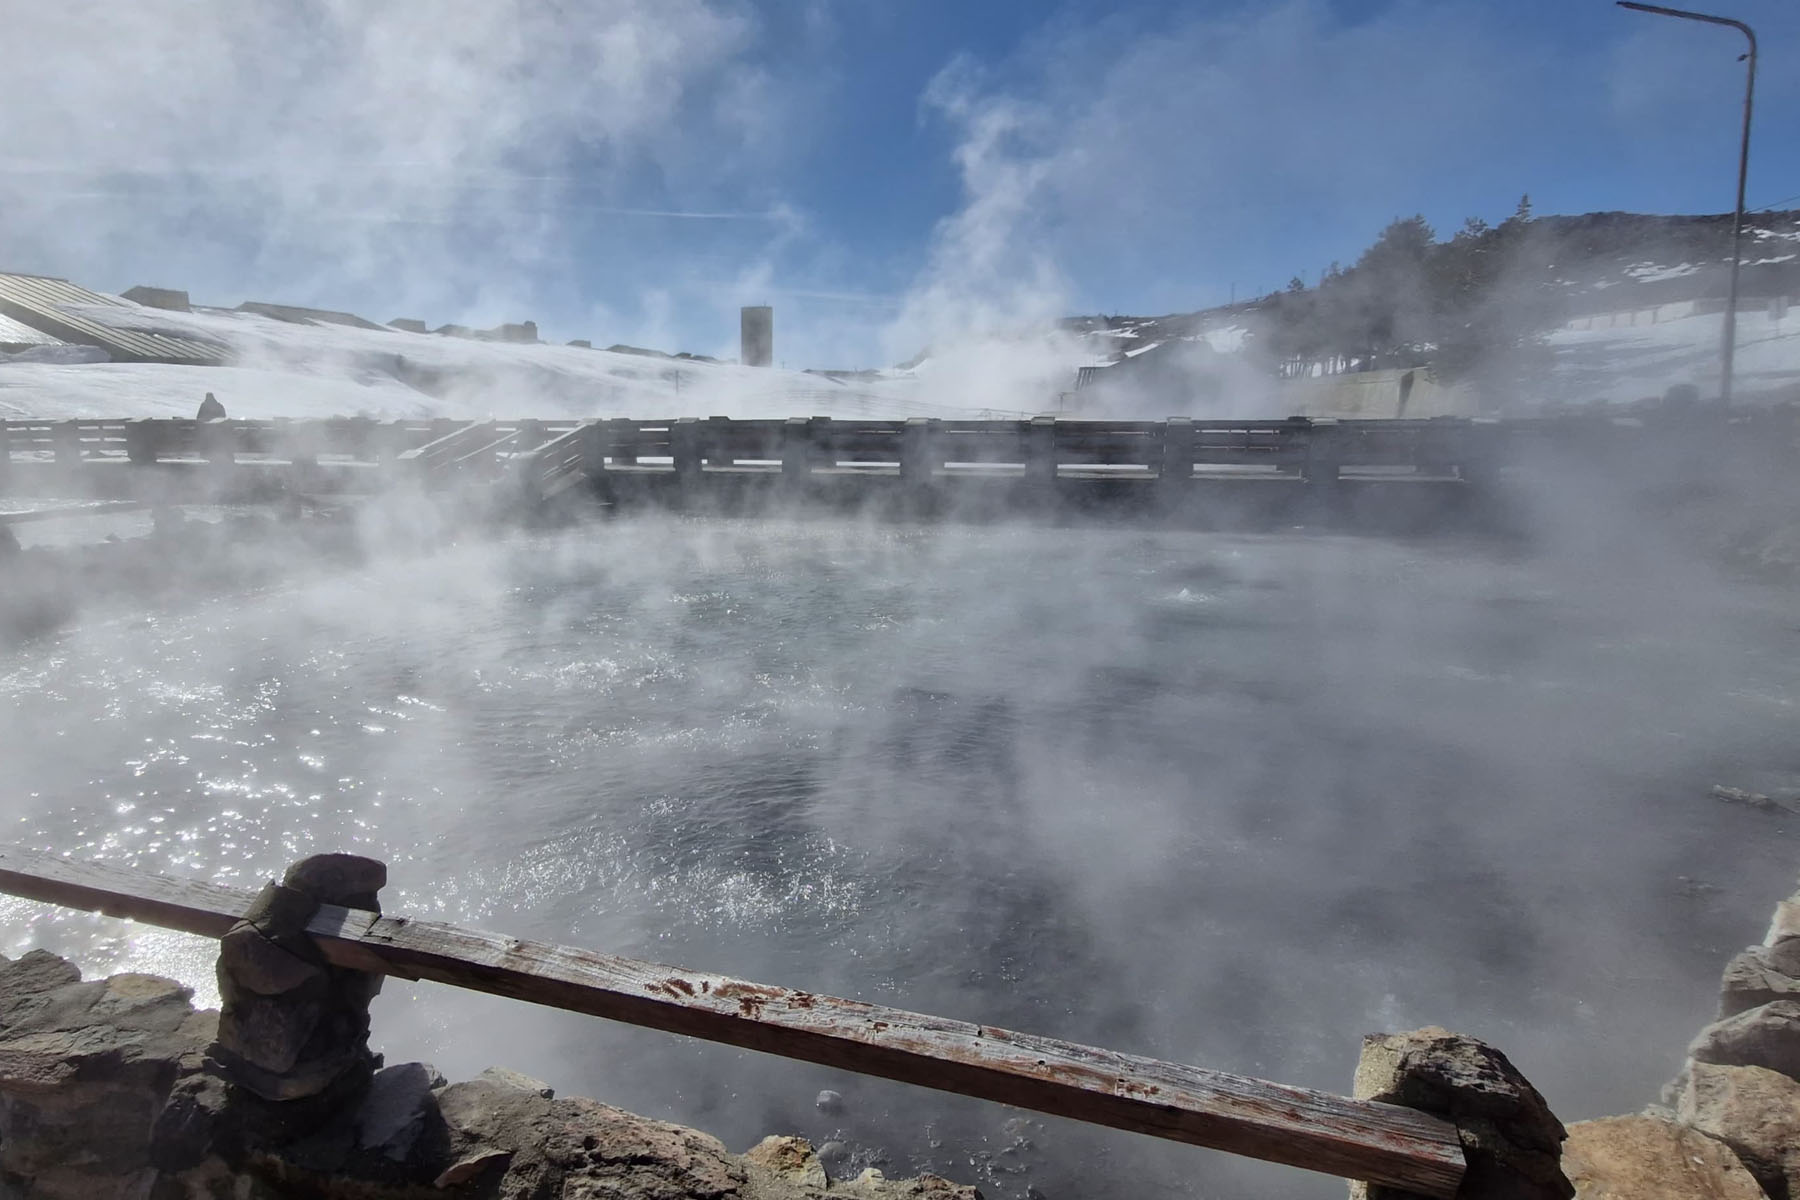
[
  {"x": 1627, "y": 363},
  {"x": 278, "y": 368}
]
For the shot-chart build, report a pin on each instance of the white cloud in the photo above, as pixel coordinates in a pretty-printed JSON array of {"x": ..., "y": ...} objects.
[{"x": 414, "y": 144}]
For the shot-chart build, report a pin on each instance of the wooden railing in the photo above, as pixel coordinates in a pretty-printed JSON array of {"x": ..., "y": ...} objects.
[
  {"x": 914, "y": 448},
  {"x": 1357, "y": 1139}
]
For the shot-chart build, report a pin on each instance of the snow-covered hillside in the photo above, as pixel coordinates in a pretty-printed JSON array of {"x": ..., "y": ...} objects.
[
  {"x": 1633, "y": 362},
  {"x": 1205, "y": 363},
  {"x": 284, "y": 369}
]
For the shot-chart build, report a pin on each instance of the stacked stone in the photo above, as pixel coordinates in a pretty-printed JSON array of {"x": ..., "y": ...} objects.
[
  {"x": 1741, "y": 1084},
  {"x": 294, "y": 1029}
]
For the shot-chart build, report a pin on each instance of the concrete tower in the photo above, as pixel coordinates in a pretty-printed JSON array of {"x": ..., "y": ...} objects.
[{"x": 758, "y": 327}]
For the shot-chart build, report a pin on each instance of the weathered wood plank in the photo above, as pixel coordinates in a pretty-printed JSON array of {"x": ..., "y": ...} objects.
[
  {"x": 188, "y": 905},
  {"x": 1297, "y": 1126}
]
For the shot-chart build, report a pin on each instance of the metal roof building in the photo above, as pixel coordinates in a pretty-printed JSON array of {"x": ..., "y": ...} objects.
[
  {"x": 298, "y": 315},
  {"x": 16, "y": 335},
  {"x": 51, "y": 306}
]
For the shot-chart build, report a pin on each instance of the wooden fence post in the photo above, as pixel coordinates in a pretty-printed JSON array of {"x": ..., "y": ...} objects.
[
  {"x": 621, "y": 441},
  {"x": 593, "y": 452},
  {"x": 1176, "y": 470},
  {"x": 218, "y": 443},
  {"x": 796, "y": 453},
  {"x": 141, "y": 438},
  {"x": 718, "y": 442},
  {"x": 65, "y": 437},
  {"x": 1324, "y": 455},
  {"x": 1040, "y": 453},
  {"x": 684, "y": 449},
  {"x": 918, "y": 450}
]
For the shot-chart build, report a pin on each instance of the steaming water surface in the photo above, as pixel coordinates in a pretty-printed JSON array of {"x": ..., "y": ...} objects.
[{"x": 1225, "y": 800}]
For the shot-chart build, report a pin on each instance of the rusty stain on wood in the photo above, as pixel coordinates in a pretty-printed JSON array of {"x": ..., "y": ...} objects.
[{"x": 1318, "y": 1131}]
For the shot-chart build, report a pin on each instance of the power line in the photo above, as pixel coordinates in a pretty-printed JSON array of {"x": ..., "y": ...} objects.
[{"x": 1773, "y": 204}]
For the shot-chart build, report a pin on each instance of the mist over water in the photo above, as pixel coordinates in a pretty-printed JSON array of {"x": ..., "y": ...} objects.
[{"x": 1226, "y": 800}]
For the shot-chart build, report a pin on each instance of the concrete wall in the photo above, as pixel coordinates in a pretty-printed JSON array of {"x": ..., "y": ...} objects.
[{"x": 1376, "y": 394}]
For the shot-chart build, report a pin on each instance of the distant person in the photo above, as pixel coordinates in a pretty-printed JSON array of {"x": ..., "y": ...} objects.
[{"x": 210, "y": 409}]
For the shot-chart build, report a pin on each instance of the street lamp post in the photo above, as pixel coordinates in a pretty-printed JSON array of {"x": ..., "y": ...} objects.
[{"x": 1729, "y": 348}]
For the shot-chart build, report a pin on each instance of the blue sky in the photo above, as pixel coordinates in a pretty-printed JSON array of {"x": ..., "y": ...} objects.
[{"x": 888, "y": 175}]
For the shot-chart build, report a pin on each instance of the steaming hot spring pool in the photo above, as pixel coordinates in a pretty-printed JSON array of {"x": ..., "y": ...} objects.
[{"x": 1227, "y": 800}]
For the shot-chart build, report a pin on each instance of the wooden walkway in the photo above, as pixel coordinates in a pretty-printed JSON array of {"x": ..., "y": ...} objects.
[
  {"x": 1356, "y": 1139},
  {"x": 616, "y": 457}
]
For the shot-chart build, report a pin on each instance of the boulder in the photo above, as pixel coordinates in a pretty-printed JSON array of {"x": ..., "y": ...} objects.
[
  {"x": 791, "y": 1159},
  {"x": 1756, "y": 1112},
  {"x": 1785, "y": 924},
  {"x": 1752, "y": 980},
  {"x": 1636, "y": 1158},
  {"x": 396, "y": 1109},
  {"x": 787, "y": 1168},
  {"x": 84, "y": 1069},
  {"x": 1511, "y": 1139},
  {"x": 506, "y": 1077},
  {"x": 593, "y": 1149},
  {"x": 1765, "y": 1036}
]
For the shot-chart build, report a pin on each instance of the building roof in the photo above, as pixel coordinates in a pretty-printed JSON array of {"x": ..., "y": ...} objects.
[
  {"x": 298, "y": 315},
  {"x": 17, "y": 333},
  {"x": 52, "y": 306}
]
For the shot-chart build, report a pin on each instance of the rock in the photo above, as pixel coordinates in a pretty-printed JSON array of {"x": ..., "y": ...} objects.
[
  {"x": 517, "y": 1080},
  {"x": 829, "y": 1102},
  {"x": 1639, "y": 1158},
  {"x": 270, "y": 1035},
  {"x": 1785, "y": 924},
  {"x": 394, "y": 1111},
  {"x": 1756, "y": 1112},
  {"x": 346, "y": 879},
  {"x": 1751, "y": 799},
  {"x": 792, "y": 1159},
  {"x": 185, "y": 1130},
  {"x": 636, "y": 1156},
  {"x": 834, "y": 1156},
  {"x": 1765, "y": 1036},
  {"x": 473, "y": 1166},
  {"x": 1752, "y": 980},
  {"x": 37, "y": 972},
  {"x": 1512, "y": 1141},
  {"x": 262, "y": 966}
]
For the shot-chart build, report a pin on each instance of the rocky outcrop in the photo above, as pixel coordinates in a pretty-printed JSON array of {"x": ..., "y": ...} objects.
[
  {"x": 1741, "y": 1084},
  {"x": 1753, "y": 1110},
  {"x": 118, "y": 1089},
  {"x": 1634, "y": 1158}
]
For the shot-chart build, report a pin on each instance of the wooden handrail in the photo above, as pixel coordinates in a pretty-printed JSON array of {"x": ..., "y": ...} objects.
[{"x": 1356, "y": 1139}]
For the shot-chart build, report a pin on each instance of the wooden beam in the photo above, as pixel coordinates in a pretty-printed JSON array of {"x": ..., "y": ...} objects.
[{"x": 1357, "y": 1139}]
